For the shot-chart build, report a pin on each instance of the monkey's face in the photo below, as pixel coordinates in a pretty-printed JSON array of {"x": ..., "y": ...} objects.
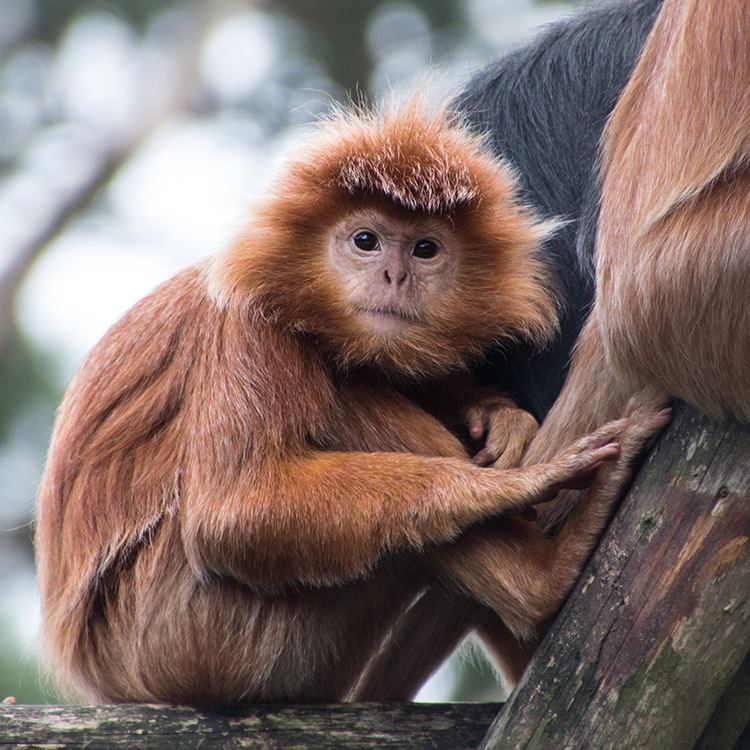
[
  {"x": 392, "y": 270},
  {"x": 393, "y": 240}
]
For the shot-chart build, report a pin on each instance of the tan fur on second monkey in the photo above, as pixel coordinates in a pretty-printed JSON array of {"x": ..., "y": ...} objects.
[
  {"x": 252, "y": 479},
  {"x": 672, "y": 308}
]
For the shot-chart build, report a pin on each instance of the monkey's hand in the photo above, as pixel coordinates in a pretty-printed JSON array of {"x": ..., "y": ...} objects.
[
  {"x": 645, "y": 415},
  {"x": 575, "y": 467},
  {"x": 507, "y": 430}
]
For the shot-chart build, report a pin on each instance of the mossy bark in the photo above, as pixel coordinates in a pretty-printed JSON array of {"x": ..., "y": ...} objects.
[{"x": 651, "y": 643}]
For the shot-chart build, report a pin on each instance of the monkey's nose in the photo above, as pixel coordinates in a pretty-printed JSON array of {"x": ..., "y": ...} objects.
[{"x": 399, "y": 276}]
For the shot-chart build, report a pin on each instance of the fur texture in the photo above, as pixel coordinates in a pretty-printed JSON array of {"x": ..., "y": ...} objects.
[
  {"x": 672, "y": 252},
  {"x": 244, "y": 494},
  {"x": 543, "y": 108}
]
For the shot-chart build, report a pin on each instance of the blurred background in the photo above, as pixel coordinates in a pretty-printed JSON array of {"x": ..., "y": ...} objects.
[{"x": 132, "y": 133}]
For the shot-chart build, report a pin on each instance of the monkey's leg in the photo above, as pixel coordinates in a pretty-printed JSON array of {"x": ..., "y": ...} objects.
[
  {"x": 510, "y": 653},
  {"x": 513, "y": 572},
  {"x": 511, "y": 567},
  {"x": 509, "y": 564},
  {"x": 426, "y": 636},
  {"x": 593, "y": 394},
  {"x": 421, "y": 641},
  {"x": 161, "y": 636}
]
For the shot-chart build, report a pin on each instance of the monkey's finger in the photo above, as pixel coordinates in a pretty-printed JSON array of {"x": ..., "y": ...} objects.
[
  {"x": 508, "y": 459},
  {"x": 651, "y": 423},
  {"x": 509, "y": 455},
  {"x": 588, "y": 461},
  {"x": 484, "y": 458},
  {"x": 604, "y": 453},
  {"x": 501, "y": 451},
  {"x": 576, "y": 471},
  {"x": 477, "y": 427},
  {"x": 509, "y": 435},
  {"x": 583, "y": 480},
  {"x": 608, "y": 433},
  {"x": 499, "y": 444}
]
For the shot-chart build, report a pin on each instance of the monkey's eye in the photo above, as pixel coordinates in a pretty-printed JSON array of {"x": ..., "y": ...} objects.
[
  {"x": 425, "y": 249},
  {"x": 366, "y": 241}
]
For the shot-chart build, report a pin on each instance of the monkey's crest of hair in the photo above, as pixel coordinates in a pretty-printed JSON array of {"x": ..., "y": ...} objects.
[
  {"x": 402, "y": 160},
  {"x": 409, "y": 160}
]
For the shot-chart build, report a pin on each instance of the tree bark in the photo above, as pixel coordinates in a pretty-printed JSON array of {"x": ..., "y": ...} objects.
[
  {"x": 337, "y": 727},
  {"x": 653, "y": 641}
]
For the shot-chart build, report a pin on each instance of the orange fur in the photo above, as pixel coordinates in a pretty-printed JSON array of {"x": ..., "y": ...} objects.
[
  {"x": 415, "y": 158},
  {"x": 673, "y": 246},
  {"x": 246, "y": 491}
]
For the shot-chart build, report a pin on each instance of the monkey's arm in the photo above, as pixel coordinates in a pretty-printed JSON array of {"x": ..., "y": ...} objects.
[{"x": 329, "y": 517}]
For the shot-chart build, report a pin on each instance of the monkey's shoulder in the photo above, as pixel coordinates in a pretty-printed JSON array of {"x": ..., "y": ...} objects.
[{"x": 147, "y": 339}]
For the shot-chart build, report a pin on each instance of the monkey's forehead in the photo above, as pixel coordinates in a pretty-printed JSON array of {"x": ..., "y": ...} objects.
[
  {"x": 418, "y": 157},
  {"x": 432, "y": 183}
]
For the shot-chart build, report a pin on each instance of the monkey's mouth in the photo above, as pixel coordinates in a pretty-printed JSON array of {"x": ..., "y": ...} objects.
[
  {"x": 391, "y": 312},
  {"x": 388, "y": 320}
]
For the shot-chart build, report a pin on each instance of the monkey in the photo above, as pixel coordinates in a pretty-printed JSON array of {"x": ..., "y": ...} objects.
[
  {"x": 670, "y": 253},
  {"x": 253, "y": 479},
  {"x": 543, "y": 108}
]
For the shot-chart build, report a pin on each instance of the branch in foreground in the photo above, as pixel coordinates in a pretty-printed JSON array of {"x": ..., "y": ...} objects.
[
  {"x": 656, "y": 632},
  {"x": 337, "y": 727}
]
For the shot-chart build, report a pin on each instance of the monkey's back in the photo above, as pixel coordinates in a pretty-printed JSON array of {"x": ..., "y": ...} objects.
[
  {"x": 180, "y": 399},
  {"x": 108, "y": 515}
]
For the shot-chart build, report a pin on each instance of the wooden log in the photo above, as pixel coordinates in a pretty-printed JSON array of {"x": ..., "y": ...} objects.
[
  {"x": 335, "y": 727},
  {"x": 652, "y": 641}
]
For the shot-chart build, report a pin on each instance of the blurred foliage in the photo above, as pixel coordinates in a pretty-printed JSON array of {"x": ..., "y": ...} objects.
[
  {"x": 337, "y": 27},
  {"x": 340, "y": 26},
  {"x": 53, "y": 16},
  {"x": 19, "y": 677},
  {"x": 26, "y": 377}
]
